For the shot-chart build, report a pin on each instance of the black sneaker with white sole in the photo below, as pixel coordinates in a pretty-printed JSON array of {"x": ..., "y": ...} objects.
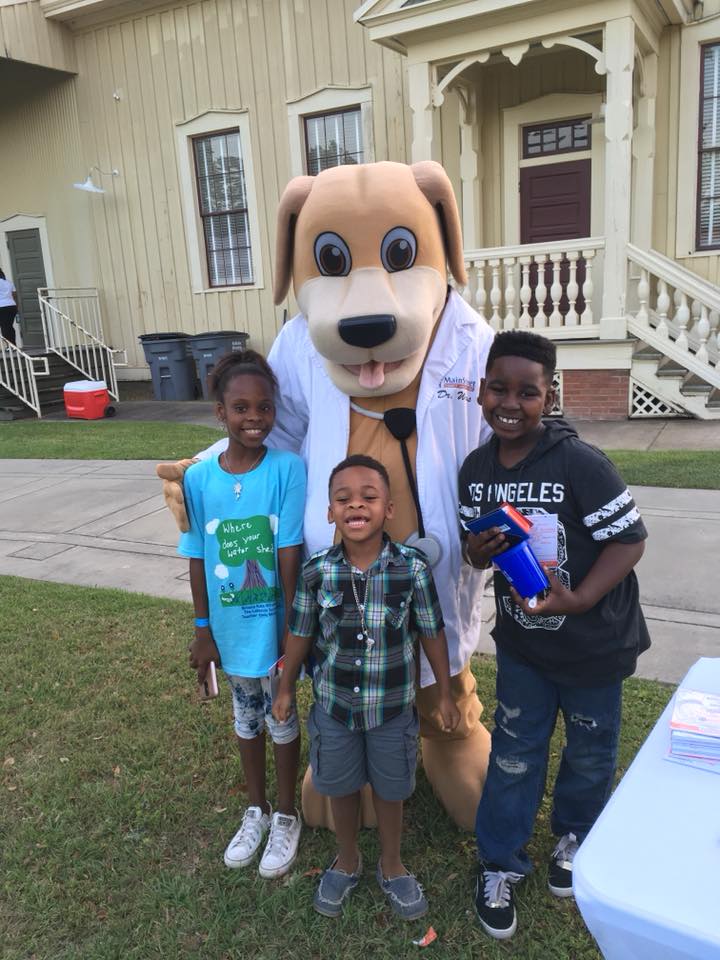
[
  {"x": 494, "y": 900},
  {"x": 561, "y": 866}
]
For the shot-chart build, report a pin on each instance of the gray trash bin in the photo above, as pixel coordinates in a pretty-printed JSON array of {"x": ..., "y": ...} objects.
[
  {"x": 207, "y": 348},
  {"x": 171, "y": 365}
]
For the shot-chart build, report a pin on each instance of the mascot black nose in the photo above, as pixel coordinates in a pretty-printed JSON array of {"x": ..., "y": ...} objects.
[{"x": 368, "y": 331}]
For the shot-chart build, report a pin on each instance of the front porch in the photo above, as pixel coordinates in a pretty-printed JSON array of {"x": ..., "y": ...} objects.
[{"x": 545, "y": 121}]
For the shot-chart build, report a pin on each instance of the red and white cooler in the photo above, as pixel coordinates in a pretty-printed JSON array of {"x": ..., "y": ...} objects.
[{"x": 86, "y": 399}]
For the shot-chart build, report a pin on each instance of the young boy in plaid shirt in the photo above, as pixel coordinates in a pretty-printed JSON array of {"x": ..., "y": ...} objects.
[{"x": 359, "y": 607}]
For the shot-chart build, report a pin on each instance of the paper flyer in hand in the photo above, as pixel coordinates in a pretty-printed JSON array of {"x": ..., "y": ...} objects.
[{"x": 544, "y": 539}]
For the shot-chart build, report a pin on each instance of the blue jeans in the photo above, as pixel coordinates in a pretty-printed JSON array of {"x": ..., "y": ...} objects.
[{"x": 527, "y": 709}]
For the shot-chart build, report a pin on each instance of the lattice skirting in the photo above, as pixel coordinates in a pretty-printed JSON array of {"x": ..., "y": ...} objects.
[{"x": 645, "y": 403}]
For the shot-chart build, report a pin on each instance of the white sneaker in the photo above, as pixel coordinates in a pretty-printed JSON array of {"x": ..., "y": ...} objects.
[
  {"x": 246, "y": 842},
  {"x": 281, "y": 848}
]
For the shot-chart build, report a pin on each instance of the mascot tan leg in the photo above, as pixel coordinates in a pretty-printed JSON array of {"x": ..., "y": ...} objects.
[
  {"x": 318, "y": 813},
  {"x": 456, "y": 763}
]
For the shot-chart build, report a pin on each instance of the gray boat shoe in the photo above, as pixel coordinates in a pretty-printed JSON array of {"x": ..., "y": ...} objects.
[
  {"x": 334, "y": 888},
  {"x": 405, "y": 895}
]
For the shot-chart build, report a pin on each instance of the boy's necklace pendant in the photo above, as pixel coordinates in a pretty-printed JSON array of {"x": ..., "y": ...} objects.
[
  {"x": 369, "y": 642},
  {"x": 237, "y": 489}
]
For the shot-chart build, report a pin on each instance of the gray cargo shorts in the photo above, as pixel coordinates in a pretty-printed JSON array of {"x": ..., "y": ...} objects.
[{"x": 344, "y": 760}]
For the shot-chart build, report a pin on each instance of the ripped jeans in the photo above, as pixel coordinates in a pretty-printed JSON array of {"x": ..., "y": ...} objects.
[{"x": 528, "y": 706}]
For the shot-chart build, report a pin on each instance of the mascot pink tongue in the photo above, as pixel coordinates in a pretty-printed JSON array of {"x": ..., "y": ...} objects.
[{"x": 372, "y": 375}]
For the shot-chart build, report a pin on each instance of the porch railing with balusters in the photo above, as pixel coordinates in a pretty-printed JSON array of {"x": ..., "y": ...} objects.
[
  {"x": 675, "y": 311},
  {"x": 18, "y": 372},
  {"x": 77, "y": 345},
  {"x": 542, "y": 286}
]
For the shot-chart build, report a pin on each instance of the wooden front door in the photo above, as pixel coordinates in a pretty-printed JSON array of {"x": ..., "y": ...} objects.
[
  {"x": 28, "y": 273},
  {"x": 555, "y": 205}
]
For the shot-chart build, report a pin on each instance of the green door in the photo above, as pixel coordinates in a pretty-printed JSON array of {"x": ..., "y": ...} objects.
[{"x": 28, "y": 273}]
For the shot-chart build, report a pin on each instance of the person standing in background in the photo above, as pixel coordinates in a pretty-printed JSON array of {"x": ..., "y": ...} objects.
[{"x": 8, "y": 308}]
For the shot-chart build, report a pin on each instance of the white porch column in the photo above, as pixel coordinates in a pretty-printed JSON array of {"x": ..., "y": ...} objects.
[
  {"x": 619, "y": 49},
  {"x": 643, "y": 151},
  {"x": 420, "y": 98},
  {"x": 469, "y": 167}
]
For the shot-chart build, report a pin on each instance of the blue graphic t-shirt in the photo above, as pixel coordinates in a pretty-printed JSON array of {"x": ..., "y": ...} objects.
[{"x": 238, "y": 540}]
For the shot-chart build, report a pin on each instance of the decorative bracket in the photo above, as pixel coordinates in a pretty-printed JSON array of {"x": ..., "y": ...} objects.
[
  {"x": 516, "y": 52},
  {"x": 437, "y": 94},
  {"x": 566, "y": 41}
]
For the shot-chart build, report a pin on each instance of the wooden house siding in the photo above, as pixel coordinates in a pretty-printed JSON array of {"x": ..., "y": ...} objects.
[
  {"x": 40, "y": 158},
  {"x": 170, "y": 66},
  {"x": 143, "y": 70},
  {"x": 26, "y": 35}
]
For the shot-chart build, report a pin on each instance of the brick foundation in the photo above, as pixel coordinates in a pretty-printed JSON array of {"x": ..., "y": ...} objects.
[{"x": 595, "y": 394}]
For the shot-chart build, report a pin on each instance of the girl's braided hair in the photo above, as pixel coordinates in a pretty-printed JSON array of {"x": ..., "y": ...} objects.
[{"x": 233, "y": 365}]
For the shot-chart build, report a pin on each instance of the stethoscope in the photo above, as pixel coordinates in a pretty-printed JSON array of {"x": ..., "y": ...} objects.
[{"x": 401, "y": 423}]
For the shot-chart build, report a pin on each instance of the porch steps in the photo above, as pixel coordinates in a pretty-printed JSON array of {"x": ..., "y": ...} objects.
[
  {"x": 50, "y": 390},
  {"x": 674, "y": 386}
]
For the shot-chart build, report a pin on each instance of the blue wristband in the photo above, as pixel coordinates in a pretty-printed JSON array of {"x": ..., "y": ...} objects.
[{"x": 202, "y": 622}]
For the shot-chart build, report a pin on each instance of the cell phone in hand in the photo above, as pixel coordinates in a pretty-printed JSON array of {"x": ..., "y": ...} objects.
[{"x": 208, "y": 688}]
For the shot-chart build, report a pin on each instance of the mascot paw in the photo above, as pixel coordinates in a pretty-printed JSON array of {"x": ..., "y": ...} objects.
[
  {"x": 173, "y": 471},
  {"x": 172, "y": 475}
]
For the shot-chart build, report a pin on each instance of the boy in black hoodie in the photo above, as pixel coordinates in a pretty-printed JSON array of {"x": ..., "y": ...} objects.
[{"x": 572, "y": 650}]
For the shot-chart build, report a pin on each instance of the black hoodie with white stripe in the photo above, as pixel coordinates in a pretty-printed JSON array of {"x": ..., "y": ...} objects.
[{"x": 563, "y": 475}]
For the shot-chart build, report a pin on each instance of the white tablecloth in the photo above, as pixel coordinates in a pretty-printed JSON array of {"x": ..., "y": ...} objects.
[{"x": 647, "y": 877}]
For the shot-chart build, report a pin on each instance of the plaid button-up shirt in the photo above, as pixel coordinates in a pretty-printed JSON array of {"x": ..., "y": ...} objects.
[{"x": 362, "y": 685}]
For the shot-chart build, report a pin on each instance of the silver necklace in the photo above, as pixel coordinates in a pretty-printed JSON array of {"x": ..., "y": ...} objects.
[
  {"x": 237, "y": 486},
  {"x": 369, "y": 642}
]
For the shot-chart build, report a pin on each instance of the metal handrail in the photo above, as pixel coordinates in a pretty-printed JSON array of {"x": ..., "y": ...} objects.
[
  {"x": 80, "y": 304},
  {"x": 18, "y": 374},
  {"x": 78, "y": 346}
]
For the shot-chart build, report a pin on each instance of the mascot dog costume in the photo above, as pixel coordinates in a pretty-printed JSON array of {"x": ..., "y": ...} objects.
[{"x": 386, "y": 360}]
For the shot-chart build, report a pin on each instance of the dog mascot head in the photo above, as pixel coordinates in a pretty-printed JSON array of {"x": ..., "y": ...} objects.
[{"x": 371, "y": 288}]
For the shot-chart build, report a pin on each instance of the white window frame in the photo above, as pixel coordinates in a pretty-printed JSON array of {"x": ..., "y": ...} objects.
[
  {"x": 328, "y": 100},
  {"x": 693, "y": 37},
  {"x": 214, "y": 121}
]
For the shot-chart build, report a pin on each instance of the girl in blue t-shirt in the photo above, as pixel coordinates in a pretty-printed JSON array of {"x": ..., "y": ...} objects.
[{"x": 246, "y": 516}]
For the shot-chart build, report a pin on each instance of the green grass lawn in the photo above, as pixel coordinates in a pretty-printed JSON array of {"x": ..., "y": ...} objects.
[
  {"x": 103, "y": 439},
  {"x": 137, "y": 440},
  {"x": 119, "y": 793},
  {"x": 691, "y": 469}
]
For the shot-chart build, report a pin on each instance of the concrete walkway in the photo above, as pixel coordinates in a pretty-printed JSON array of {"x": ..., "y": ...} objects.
[{"x": 104, "y": 523}]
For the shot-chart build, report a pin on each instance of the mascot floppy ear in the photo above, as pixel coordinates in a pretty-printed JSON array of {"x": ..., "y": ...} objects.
[
  {"x": 435, "y": 184},
  {"x": 291, "y": 203}
]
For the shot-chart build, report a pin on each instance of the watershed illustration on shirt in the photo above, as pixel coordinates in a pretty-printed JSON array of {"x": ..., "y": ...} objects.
[{"x": 238, "y": 538}]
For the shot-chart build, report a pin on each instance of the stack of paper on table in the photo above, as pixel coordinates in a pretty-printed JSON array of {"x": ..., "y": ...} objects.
[{"x": 695, "y": 729}]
